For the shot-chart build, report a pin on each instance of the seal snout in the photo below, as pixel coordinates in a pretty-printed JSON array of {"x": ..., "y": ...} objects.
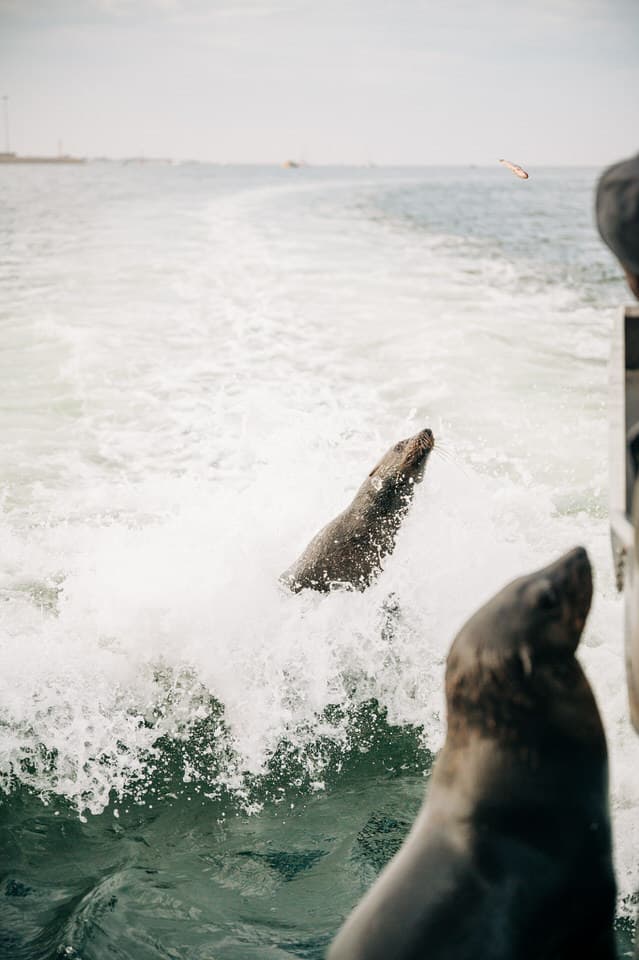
[
  {"x": 579, "y": 556},
  {"x": 573, "y": 575},
  {"x": 422, "y": 443},
  {"x": 427, "y": 438},
  {"x": 577, "y": 567},
  {"x": 416, "y": 452},
  {"x": 574, "y": 567}
]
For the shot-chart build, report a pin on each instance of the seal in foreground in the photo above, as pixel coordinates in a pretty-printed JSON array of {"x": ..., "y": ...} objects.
[
  {"x": 510, "y": 856},
  {"x": 350, "y": 549}
]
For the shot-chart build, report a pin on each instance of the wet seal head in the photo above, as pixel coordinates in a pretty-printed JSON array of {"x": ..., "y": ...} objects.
[
  {"x": 511, "y": 854},
  {"x": 510, "y": 656},
  {"x": 348, "y": 551},
  {"x": 536, "y": 619},
  {"x": 403, "y": 465}
]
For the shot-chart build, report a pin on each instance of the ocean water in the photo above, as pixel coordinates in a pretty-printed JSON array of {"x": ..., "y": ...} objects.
[{"x": 199, "y": 365}]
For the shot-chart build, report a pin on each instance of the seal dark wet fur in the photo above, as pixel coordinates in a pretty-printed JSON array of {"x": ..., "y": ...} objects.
[
  {"x": 510, "y": 856},
  {"x": 349, "y": 550}
]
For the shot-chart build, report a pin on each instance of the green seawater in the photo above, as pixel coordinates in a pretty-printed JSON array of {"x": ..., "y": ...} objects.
[
  {"x": 171, "y": 873},
  {"x": 192, "y": 879}
]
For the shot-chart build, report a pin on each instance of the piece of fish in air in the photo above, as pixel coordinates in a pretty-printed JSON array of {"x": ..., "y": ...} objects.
[{"x": 516, "y": 169}]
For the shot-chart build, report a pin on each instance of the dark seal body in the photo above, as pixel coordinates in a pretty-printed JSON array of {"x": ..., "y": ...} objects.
[
  {"x": 510, "y": 856},
  {"x": 349, "y": 550}
]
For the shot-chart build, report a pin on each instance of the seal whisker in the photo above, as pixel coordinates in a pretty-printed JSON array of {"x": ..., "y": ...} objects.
[
  {"x": 445, "y": 448},
  {"x": 444, "y": 454},
  {"x": 449, "y": 460}
]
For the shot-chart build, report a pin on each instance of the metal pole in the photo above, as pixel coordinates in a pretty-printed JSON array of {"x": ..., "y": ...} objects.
[{"x": 7, "y": 148}]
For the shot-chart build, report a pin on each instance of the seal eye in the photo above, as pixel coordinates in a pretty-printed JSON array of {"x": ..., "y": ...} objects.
[{"x": 548, "y": 598}]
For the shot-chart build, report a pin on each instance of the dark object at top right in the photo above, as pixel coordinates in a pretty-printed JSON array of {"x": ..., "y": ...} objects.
[{"x": 617, "y": 212}]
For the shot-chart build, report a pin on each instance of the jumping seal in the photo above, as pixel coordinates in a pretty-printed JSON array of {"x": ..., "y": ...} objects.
[
  {"x": 510, "y": 856},
  {"x": 349, "y": 550}
]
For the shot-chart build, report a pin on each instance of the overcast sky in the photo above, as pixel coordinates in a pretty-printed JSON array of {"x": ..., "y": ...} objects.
[{"x": 330, "y": 81}]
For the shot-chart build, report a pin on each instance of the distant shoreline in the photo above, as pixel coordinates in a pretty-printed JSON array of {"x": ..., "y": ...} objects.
[{"x": 16, "y": 158}]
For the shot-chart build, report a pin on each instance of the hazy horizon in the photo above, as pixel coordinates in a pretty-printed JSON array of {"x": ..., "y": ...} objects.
[{"x": 261, "y": 81}]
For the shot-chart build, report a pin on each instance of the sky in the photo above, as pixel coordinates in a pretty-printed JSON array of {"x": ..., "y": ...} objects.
[{"x": 325, "y": 81}]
